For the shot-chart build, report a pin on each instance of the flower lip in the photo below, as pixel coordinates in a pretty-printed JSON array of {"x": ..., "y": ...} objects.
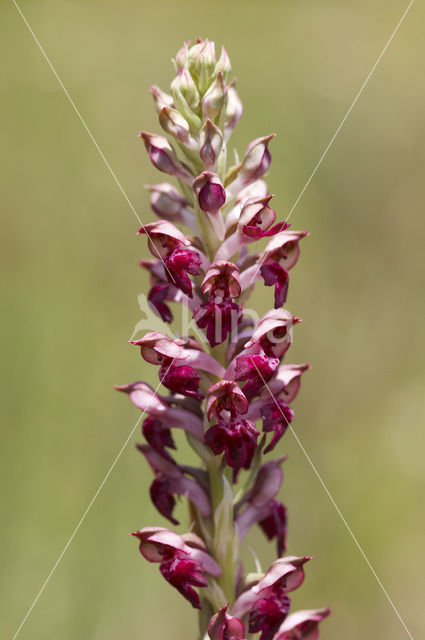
[
  {"x": 219, "y": 316},
  {"x": 275, "y": 275},
  {"x": 156, "y": 297},
  {"x": 158, "y": 436},
  {"x": 237, "y": 439},
  {"x": 268, "y": 612},
  {"x": 274, "y": 525},
  {"x": 277, "y": 416},
  {"x": 169, "y": 481},
  {"x": 181, "y": 262}
]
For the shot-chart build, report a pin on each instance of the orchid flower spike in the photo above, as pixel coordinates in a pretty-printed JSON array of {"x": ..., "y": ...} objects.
[{"x": 227, "y": 385}]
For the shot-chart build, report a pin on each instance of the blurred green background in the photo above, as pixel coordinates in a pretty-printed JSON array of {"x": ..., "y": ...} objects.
[{"x": 69, "y": 302}]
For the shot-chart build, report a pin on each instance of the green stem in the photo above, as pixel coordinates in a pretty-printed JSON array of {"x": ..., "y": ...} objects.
[
  {"x": 208, "y": 236},
  {"x": 218, "y": 482},
  {"x": 224, "y": 558}
]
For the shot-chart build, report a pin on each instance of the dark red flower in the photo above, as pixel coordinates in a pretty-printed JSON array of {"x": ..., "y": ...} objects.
[
  {"x": 268, "y": 612},
  {"x": 256, "y": 369},
  {"x": 277, "y": 417},
  {"x": 182, "y": 379},
  {"x": 219, "y": 316},
  {"x": 255, "y": 230},
  {"x": 156, "y": 296},
  {"x": 162, "y": 498},
  {"x": 181, "y": 572},
  {"x": 158, "y": 435},
  {"x": 276, "y": 275},
  {"x": 179, "y": 263},
  {"x": 237, "y": 439},
  {"x": 181, "y": 563},
  {"x": 275, "y": 525}
]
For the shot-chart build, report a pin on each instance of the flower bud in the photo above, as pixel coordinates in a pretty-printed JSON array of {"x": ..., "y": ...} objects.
[
  {"x": 161, "y": 98},
  {"x": 184, "y": 84},
  {"x": 201, "y": 62},
  {"x": 257, "y": 159},
  {"x": 232, "y": 110},
  {"x": 181, "y": 57},
  {"x": 213, "y": 101},
  {"x": 254, "y": 165},
  {"x": 209, "y": 191},
  {"x": 166, "y": 201},
  {"x": 223, "y": 64},
  {"x": 211, "y": 144},
  {"x": 174, "y": 124},
  {"x": 163, "y": 157}
]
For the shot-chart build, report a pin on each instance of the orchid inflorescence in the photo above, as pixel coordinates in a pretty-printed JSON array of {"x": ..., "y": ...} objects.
[{"x": 220, "y": 387}]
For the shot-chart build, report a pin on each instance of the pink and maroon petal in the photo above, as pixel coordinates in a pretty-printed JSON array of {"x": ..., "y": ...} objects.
[
  {"x": 302, "y": 625},
  {"x": 225, "y": 627}
]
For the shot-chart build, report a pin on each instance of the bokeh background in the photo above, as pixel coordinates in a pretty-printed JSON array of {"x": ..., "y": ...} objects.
[{"x": 69, "y": 302}]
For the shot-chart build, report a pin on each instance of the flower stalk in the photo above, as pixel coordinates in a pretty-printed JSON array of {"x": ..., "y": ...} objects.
[{"x": 229, "y": 389}]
